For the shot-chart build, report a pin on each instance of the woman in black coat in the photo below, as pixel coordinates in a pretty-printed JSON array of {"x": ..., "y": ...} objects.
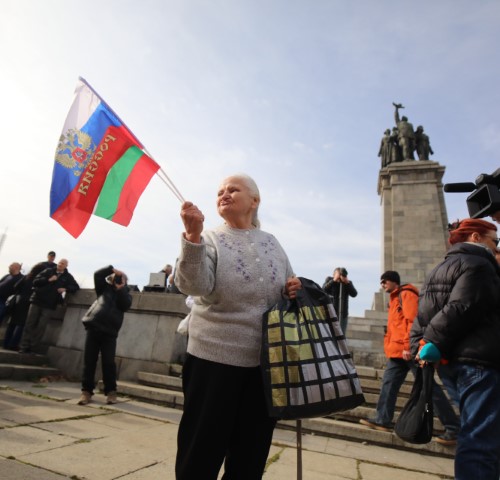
[
  {"x": 103, "y": 321},
  {"x": 459, "y": 309}
]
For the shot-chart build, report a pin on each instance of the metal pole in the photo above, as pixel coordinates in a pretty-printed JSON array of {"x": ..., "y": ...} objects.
[
  {"x": 341, "y": 310},
  {"x": 299, "y": 449}
]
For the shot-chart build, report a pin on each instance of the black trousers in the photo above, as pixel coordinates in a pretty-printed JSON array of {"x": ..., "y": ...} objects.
[
  {"x": 225, "y": 417},
  {"x": 96, "y": 342}
]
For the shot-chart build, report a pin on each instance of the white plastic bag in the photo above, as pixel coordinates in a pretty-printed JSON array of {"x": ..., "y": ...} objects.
[{"x": 184, "y": 324}]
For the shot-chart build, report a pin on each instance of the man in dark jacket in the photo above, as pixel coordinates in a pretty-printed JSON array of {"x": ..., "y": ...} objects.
[
  {"x": 49, "y": 288},
  {"x": 7, "y": 283},
  {"x": 102, "y": 322},
  {"x": 340, "y": 288},
  {"x": 459, "y": 309},
  {"x": 50, "y": 263}
]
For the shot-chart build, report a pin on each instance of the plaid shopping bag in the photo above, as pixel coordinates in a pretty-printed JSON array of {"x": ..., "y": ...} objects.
[{"x": 306, "y": 365}]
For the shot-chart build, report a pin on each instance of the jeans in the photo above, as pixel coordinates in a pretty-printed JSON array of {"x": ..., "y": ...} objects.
[
  {"x": 478, "y": 449},
  {"x": 394, "y": 376},
  {"x": 449, "y": 378},
  {"x": 12, "y": 337},
  {"x": 2, "y": 310},
  {"x": 96, "y": 342}
]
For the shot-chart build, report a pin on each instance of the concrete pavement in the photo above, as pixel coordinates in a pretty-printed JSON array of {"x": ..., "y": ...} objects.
[{"x": 45, "y": 435}]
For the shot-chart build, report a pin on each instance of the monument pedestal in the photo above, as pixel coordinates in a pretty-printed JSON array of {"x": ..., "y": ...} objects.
[
  {"x": 414, "y": 218},
  {"x": 415, "y": 233}
]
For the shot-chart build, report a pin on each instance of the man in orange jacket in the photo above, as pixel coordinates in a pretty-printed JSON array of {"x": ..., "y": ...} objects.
[{"x": 403, "y": 308}]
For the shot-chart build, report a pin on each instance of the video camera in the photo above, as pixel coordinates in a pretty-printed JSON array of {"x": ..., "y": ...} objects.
[{"x": 485, "y": 197}]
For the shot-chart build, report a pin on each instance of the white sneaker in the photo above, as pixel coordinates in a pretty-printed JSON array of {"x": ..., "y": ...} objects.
[
  {"x": 111, "y": 398},
  {"x": 85, "y": 398}
]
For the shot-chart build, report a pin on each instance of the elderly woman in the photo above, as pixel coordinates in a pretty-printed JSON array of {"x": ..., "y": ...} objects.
[
  {"x": 459, "y": 308},
  {"x": 235, "y": 273}
]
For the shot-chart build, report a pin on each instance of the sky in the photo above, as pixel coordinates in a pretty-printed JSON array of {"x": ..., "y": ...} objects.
[{"x": 295, "y": 93}]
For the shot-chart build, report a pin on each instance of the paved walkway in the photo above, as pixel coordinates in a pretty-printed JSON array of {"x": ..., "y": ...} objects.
[{"x": 45, "y": 435}]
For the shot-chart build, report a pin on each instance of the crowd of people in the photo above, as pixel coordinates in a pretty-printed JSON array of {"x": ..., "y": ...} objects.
[
  {"x": 28, "y": 301},
  {"x": 233, "y": 274}
]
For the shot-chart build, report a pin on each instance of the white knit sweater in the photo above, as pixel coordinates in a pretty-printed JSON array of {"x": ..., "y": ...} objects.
[{"x": 234, "y": 276}]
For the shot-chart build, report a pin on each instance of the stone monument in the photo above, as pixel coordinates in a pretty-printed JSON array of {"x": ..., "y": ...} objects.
[
  {"x": 414, "y": 233},
  {"x": 414, "y": 219}
]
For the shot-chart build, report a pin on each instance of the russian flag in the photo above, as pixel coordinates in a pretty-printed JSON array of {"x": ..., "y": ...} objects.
[{"x": 100, "y": 167}]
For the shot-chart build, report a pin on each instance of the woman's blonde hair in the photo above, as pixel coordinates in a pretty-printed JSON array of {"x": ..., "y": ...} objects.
[{"x": 254, "y": 190}]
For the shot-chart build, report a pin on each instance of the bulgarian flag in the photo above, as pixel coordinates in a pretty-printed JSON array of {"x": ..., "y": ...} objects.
[{"x": 100, "y": 167}]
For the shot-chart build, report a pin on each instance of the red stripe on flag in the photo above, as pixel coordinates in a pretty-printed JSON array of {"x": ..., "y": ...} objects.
[
  {"x": 70, "y": 218},
  {"x": 133, "y": 187},
  {"x": 113, "y": 145},
  {"x": 74, "y": 213}
]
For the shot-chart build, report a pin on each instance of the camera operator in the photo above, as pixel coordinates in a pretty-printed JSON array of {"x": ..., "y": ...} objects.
[
  {"x": 484, "y": 200},
  {"x": 495, "y": 216},
  {"x": 340, "y": 288}
]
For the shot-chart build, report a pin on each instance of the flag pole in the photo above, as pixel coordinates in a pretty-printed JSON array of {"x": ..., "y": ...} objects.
[
  {"x": 111, "y": 110},
  {"x": 165, "y": 179},
  {"x": 2, "y": 239}
]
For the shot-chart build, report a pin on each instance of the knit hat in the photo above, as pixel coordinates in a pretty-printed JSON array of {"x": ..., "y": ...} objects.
[{"x": 392, "y": 276}]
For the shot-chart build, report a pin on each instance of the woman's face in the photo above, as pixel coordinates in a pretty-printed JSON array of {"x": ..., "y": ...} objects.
[
  {"x": 235, "y": 201},
  {"x": 490, "y": 239}
]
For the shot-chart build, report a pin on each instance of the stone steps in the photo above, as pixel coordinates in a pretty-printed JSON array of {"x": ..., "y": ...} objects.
[
  {"x": 26, "y": 372},
  {"x": 22, "y": 366},
  {"x": 365, "y": 339},
  {"x": 166, "y": 390}
]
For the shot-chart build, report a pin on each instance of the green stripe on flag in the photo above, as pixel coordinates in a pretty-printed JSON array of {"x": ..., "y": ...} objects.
[{"x": 113, "y": 186}]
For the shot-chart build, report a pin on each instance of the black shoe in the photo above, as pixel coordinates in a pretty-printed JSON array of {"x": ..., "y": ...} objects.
[
  {"x": 448, "y": 438},
  {"x": 24, "y": 350},
  {"x": 370, "y": 422}
]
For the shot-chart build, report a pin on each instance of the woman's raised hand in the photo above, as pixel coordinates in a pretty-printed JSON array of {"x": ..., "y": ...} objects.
[{"x": 193, "y": 222}]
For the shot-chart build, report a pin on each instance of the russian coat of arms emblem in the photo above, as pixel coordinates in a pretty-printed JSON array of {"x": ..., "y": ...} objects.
[{"x": 74, "y": 151}]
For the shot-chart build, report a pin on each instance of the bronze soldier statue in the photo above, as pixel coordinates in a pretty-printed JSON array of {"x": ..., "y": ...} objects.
[
  {"x": 385, "y": 149},
  {"x": 406, "y": 134},
  {"x": 422, "y": 144}
]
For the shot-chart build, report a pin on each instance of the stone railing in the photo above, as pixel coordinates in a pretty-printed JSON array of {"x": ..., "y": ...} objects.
[{"x": 148, "y": 339}]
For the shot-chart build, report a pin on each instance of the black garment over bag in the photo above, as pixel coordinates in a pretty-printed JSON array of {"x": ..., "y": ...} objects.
[
  {"x": 415, "y": 422},
  {"x": 97, "y": 314},
  {"x": 306, "y": 365},
  {"x": 11, "y": 302}
]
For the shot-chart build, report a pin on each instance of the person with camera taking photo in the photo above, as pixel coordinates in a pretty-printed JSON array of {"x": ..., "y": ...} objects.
[
  {"x": 102, "y": 322},
  {"x": 340, "y": 288}
]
